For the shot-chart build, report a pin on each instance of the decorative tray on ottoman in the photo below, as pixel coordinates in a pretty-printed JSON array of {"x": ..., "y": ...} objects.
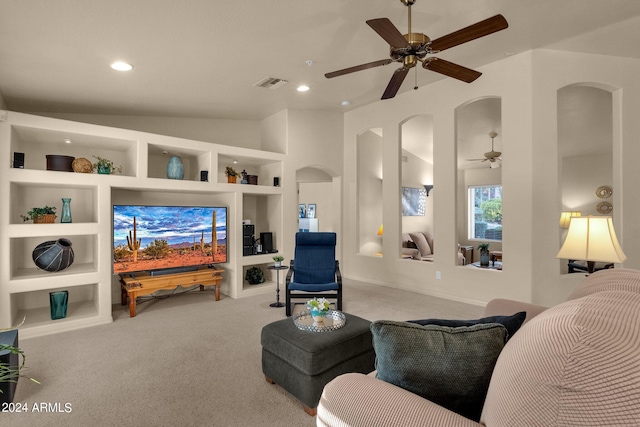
[{"x": 332, "y": 321}]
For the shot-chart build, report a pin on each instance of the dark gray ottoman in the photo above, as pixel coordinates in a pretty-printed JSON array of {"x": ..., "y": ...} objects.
[{"x": 303, "y": 362}]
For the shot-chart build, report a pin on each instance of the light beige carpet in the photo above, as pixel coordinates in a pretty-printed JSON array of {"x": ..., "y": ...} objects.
[{"x": 184, "y": 361}]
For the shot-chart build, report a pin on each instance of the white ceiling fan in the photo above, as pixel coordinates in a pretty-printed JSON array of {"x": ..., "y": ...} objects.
[{"x": 493, "y": 157}]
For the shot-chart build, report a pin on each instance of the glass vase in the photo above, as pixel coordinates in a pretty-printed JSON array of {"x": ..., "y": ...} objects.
[
  {"x": 58, "y": 301},
  {"x": 318, "y": 315},
  {"x": 66, "y": 210}
]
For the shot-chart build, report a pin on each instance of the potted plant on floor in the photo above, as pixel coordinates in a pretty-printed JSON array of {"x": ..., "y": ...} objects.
[
  {"x": 484, "y": 254},
  {"x": 45, "y": 215}
]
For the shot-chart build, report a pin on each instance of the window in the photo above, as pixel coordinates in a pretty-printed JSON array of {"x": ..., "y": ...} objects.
[{"x": 485, "y": 212}]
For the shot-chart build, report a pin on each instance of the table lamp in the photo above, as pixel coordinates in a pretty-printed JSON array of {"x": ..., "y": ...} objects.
[{"x": 592, "y": 238}]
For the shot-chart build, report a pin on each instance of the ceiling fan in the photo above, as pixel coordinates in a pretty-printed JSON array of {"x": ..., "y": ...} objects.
[
  {"x": 411, "y": 48},
  {"x": 490, "y": 156}
]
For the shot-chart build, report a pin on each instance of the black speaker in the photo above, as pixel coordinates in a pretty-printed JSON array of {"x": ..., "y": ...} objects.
[
  {"x": 204, "y": 175},
  {"x": 267, "y": 242},
  {"x": 276, "y": 181},
  {"x": 18, "y": 160}
]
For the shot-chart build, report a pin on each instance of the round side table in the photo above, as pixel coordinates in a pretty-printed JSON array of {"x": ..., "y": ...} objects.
[{"x": 277, "y": 269}]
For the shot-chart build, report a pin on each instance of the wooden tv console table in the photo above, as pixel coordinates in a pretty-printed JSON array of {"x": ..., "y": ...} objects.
[{"x": 140, "y": 284}]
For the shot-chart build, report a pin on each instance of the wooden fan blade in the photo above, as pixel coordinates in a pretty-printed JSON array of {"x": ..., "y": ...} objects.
[
  {"x": 395, "y": 83},
  {"x": 450, "y": 69},
  {"x": 358, "y": 68},
  {"x": 472, "y": 32},
  {"x": 388, "y": 32}
]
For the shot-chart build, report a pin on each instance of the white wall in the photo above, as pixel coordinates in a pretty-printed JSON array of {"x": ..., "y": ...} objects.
[
  {"x": 527, "y": 85},
  {"x": 321, "y": 193},
  {"x": 415, "y": 174},
  {"x": 369, "y": 200},
  {"x": 314, "y": 140},
  {"x": 239, "y": 133},
  {"x": 581, "y": 176}
]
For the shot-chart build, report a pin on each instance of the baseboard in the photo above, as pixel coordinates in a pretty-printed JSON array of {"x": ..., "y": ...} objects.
[{"x": 419, "y": 291}]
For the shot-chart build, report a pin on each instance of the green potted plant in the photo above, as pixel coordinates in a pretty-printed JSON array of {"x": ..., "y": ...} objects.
[
  {"x": 105, "y": 166},
  {"x": 45, "y": 215},
  {"x": 278, "y": 260},
  {"x": 254, "y": 276},
  {"x": 484, "y": 254},
  {"x": 231, "y": 174},
  {"x": 10, "y": 363}
]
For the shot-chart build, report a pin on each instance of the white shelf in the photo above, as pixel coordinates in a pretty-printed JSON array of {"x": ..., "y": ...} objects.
[
  {"x": 258, "y": 259},
  {"x": 79, "y": 315},
  {"x": 52, "y": 230},
  {"x": 24, "y": 288},
  {"x": 34, "y": 279}
]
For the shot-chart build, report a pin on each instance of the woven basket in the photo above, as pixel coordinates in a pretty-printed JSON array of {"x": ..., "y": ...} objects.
[
  {"x": 45, "y": 219},
  {"x": 82, "y": 165}
]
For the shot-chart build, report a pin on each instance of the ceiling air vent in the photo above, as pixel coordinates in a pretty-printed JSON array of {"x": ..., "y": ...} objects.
[{"x": 271, "y": 83}]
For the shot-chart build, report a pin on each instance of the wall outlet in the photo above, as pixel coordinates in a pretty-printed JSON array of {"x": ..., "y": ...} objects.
[{"x": 438, "y": 275}]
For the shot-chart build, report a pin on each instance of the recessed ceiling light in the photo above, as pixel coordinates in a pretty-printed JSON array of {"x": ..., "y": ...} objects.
[
  {"x": 67, "y": 140},
  {"x": 346, "y": 103},
  {"x": 121, "y": 66},
  {"x": 303, "y": 88}
]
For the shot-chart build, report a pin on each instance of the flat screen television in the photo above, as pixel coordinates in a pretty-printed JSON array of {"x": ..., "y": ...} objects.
[{"x": 170, "y": 238}]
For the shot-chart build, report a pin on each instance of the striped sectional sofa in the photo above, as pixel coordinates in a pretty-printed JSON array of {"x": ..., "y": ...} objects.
[{"x": 575, "y": 364}]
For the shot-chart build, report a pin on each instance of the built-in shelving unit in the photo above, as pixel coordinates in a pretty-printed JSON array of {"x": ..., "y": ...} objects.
[{"x": 24, "y": 289}]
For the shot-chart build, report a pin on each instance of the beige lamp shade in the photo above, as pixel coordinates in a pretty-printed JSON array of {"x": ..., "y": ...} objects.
[
  {"x": 380, "y": 230},
  {"x": 592, "y": 238},
  {"x": 565, "y": 218}
]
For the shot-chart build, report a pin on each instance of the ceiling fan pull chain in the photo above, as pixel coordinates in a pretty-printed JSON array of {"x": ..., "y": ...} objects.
[{"x": 415, "y": 74}]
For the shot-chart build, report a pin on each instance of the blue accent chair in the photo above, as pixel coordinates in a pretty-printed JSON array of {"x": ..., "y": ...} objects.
[{"x": 314, "y": 271}]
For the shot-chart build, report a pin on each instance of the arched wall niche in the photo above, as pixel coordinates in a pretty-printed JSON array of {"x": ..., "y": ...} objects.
[
  {"x": 585, "y": 152},
  {"x": 369, "y": 178},
  {"x": 417, "y": 170},
  {"x": 475, "y": 120}
]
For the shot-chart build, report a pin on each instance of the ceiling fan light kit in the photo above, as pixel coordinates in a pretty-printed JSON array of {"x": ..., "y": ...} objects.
[{"x": 411, "y": 48}]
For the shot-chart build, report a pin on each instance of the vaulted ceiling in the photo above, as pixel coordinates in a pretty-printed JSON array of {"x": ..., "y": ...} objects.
[{"x": 201, "y": 58}]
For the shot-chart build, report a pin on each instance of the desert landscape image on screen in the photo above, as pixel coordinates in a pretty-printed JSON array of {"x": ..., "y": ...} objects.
[{"x": 157, "y": 237}]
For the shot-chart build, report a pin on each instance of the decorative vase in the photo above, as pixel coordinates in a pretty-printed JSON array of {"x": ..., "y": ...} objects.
[
  {"x": 175, "y": 168},
  {"x": 484, "y": 259},
  {"x": 231, "y": 179},
  {"x": 66, "y": 210},
  {"x": 104, "y": 169},
  {"x": 277, "y": 264},
  {"x": 53, "y": 255},
  {"x": 318, "y": 315},
  {"x": 58, "y": 302}
]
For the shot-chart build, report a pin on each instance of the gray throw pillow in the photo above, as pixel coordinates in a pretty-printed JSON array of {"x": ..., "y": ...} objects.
[
  {"x": 448, "y": 366},
  {"x": 512, "y": 323}
]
